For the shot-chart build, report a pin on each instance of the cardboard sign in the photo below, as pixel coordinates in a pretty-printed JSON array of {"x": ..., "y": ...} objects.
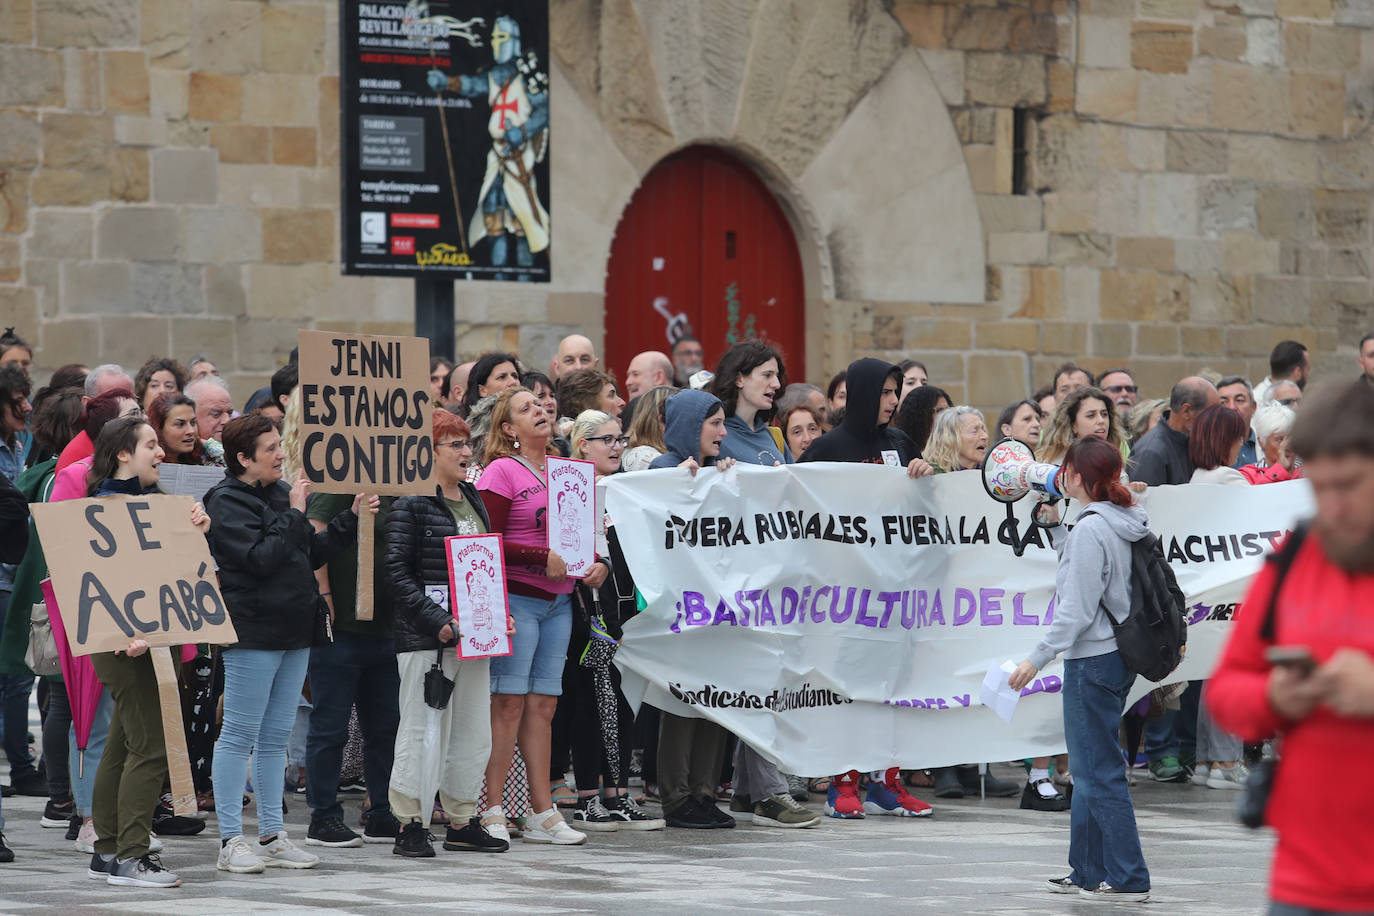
[
  {"x": 173, "y": 734},
  {"x": 572, "y": 513},
  {"x": 366, "y": 413},
  {"x": 477, "y": 594},
  {"x": 132, "y": 567}
]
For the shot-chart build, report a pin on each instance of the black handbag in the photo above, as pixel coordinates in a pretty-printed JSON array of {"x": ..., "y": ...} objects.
[{"x": 438, "y": 689}]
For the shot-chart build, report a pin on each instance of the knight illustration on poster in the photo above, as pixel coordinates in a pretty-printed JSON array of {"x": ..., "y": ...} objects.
[{"x": 510, "y": 224}]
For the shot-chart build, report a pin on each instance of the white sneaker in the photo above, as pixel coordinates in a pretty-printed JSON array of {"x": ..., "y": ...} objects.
[
  {"x": 1199, "y": 777},
  {"x": 1105, "y": 892},
  {"x": 238, "y": 857},
  {"x": 1232, "y": 777},
  {"x": 282, "y": 853},
  {"x": 548, "y": 827},
  {"x": 494, "y": 822},
  {"x": 85, "y": 840}
]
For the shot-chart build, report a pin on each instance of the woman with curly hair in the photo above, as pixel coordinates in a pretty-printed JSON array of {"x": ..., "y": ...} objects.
[
  {"x": 159, "y": 375},
  {"x": 1084, "y": 412}
]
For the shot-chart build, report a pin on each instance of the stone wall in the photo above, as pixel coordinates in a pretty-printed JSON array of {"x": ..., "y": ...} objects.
[
  {"x": 1198, "y": 186},
  {"x": 1198, "y": 177}
]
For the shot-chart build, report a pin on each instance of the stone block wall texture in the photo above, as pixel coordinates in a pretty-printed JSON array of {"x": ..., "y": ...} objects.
[{"x": 1197, "y": 175}]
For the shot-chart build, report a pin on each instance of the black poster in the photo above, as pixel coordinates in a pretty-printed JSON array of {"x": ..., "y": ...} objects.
[{"x": 445, "y": 138}]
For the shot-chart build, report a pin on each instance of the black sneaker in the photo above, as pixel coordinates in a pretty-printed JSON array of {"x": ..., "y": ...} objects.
[
  {"x": 591, "y": 814},
  {"x": 55, "y": 815},
  {"x": 166, "y": 823},
  {"x": 7, "y": 792},
  {"x": 380, "y": 826},
  {"x": 30, "y": 783},
  {"x": 473, "y": 837},
  {"x": 100, "y": 866},
  {"x": 6, "y": 854},
  {"x": 717, "y": 817},
  {"x": 74, "y": 827},
  {"x": 1033, "y": 800},
  {"x": 413, "y": 841},
  {"x": 331, "y": 831},
  {"x": 690, "y": 814},
  {"x": 630, "y": 816},
  {"x": 143, "y": 872}
]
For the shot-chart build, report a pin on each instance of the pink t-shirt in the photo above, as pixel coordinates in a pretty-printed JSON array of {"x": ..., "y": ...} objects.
[
  {"x": 70, "y": 482},
  {"x": 527, "y": 525}
]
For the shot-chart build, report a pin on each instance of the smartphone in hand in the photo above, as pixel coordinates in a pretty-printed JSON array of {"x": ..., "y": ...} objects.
[{"x": 1298, "y": 658}]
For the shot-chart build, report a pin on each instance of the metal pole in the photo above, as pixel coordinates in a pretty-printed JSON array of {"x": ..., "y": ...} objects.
[{"x": 434, "y": 312}]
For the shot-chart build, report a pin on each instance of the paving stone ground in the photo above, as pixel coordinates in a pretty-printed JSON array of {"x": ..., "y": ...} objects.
[{"x": 973, "y": 856}]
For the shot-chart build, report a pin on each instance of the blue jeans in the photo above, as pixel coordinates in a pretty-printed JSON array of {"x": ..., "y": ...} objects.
[
  {"x": 83, "y": 773},
  {"x": 261, "y": 687},
  {"x": 539, "y": 648},
  {"x": 355, "y": 669},
  {"x": 1103, "y": 842},
  {"x": 1174, "y": 734}
]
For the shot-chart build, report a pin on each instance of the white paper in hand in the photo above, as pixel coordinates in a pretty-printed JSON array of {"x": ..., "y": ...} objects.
[{"x": 996, "y": 692}]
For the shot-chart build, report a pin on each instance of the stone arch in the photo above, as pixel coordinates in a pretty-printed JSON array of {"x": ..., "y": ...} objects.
[{"x": 827, "y": 101}]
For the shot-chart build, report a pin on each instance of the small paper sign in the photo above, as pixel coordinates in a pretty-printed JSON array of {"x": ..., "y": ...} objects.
[
  {"x": 477, "y": 594},
  {"x": 572, "y": 510},
  {"x": 996, "y": 692}
]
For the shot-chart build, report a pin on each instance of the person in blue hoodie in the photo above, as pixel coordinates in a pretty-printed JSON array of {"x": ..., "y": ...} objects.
[
  {"x": 1093, "y": 587},
  {"x": 691, "y": 751},
  {"x": 747, "y": 381}
]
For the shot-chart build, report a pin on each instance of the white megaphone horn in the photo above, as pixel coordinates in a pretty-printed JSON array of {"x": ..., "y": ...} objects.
[{"x": 1010, "y": 471}]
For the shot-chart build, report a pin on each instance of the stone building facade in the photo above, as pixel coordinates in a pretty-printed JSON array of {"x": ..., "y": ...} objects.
[{"x": 992, "y": 187}]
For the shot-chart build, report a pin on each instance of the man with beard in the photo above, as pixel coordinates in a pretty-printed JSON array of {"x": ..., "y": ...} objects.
[{"x": 1300, "y": 664}]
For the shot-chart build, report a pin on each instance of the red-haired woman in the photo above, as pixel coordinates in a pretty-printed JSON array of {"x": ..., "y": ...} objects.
[
  {"x": 1094, "y": 579},
  {"x": 1214, "y": 446}
]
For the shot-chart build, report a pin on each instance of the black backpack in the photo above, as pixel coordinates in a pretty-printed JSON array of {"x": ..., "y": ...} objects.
[{"x": 1152, "y": 637}]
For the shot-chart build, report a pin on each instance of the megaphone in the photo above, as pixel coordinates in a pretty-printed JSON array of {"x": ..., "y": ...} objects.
[{"x": 1010, "y": 471}]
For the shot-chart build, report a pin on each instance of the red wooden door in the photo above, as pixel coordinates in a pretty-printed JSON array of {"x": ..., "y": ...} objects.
[{"x": 703, "y": 245}]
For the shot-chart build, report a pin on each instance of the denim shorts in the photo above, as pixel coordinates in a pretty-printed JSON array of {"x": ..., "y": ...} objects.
[{"x": 539, "y": 648}]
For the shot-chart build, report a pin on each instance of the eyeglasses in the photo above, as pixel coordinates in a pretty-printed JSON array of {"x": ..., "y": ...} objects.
[
  {"x": 1288, "y": 402},
  {"x": 1122, "y": 389},
  {"x": 457, "y": 444},
  {"x": 610, "y": 441}
]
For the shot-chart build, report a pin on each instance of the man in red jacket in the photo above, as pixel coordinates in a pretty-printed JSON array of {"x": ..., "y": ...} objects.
[{"x": 1323, "y": 712}]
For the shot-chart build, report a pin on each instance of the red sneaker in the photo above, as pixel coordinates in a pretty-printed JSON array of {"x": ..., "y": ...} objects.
[
  {"x": 891, "y": 797},
  {"x": 842, "y": 800}
]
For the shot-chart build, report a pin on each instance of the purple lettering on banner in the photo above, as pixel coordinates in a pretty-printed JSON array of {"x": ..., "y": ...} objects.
[
  {"x": 1053, "y": 684},
  {"x": 1049, "y": 611},
  {"x": 695, "y": 609},
  {"x": 765, "y": 612},
  {"x": 908, "y": 610},
  {"x": 989, "y": 604},
  {"x": 788, "y": 606},
  {"x": 889, "y": 599},
  {"x": 862, "y": 618},
  {"x": 963, "y": 700},
  {"x": 724, "y": 614},
  {"x": 835, "y": 615},
  {"x": 818, "y": 616},
  {"x": 963, "y": 596},
  {"x": 1018, "y": 616},
  {"x": 937, "y": 610},
  {"x": 922, "y": 599}
]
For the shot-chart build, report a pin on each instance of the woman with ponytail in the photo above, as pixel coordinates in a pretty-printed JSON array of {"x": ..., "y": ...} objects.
[{"x": 1093, "y": 588}]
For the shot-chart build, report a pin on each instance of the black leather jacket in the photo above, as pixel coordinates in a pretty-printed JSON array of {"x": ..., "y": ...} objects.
[{"x": 415, "y": 532}]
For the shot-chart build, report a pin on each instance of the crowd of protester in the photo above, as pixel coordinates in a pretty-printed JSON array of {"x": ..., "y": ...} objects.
[{"x": 514, "y": 725}]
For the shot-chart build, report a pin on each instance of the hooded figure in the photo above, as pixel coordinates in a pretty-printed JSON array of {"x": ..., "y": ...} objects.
[
  {"x": 862, "y": 436},
  {"x": 684, "y": 415}
]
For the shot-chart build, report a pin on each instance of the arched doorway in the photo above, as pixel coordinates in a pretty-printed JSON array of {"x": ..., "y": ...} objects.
[{"x": 704, "y": 247}]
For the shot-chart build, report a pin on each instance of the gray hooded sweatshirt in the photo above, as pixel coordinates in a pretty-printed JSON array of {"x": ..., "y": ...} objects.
[
  {"x": 1094, "y": 575},
  {"x": 685, "y": 414}
]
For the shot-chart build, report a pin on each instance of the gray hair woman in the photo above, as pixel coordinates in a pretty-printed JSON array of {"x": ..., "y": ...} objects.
[
  {"x": 958, "y": 440},
  {"x": 1272, "y": 426}
]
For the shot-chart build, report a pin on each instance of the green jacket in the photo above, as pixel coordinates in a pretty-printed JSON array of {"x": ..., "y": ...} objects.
[{"x": 36, "y": 485}]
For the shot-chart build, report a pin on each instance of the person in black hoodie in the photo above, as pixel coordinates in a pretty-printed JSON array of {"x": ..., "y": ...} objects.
[
  {"x": 266, "y": 552},
  {"x": 426, "y": 634},
  {"x": 134, "y": 764},
  {"x": 874, "y": 389}
]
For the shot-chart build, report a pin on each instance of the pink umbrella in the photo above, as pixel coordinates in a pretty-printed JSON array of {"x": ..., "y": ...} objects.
[{"x": 83, "y": 687}]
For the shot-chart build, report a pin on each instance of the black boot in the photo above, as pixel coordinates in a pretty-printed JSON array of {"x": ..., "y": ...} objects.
[
  {"x": 988, "y": 785},
  {"x": 947, "y": 783}
]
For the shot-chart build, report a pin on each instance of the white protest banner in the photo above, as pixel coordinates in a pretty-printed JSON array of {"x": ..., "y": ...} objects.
[
  {"x": 572, "y": 504},
  {"x": 132, "y": 567},
  {"x": 477, "y": 594},
  {"x": 366, "y": 413},
  {"x": 842, "y": 617}
]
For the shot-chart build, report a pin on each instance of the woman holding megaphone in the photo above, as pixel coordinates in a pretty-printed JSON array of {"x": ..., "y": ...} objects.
[{"x": 1093, "y": 587}]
